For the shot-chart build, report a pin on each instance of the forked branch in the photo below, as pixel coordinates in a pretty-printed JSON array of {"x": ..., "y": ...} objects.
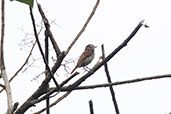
[
  {"x": 47, "y": 26},
  {"x": 76, "y": 84}
]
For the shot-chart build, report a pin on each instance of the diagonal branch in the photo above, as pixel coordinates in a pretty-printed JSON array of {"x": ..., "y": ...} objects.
[
  {"x": 41, "y": 89},
  {"x": 47, "y": 25},
  {"x": 110, "y": 81},
  {"x": 21, "y": 66},
  {"x": 52, "y": 90},
  {"x": 97, "y": 66},
  {"x": 79, "y": 81},
  {"x": 83, "y": 28},
  {"x": 75, "y": 85},
  {"x": 1, "y": 85},
  {"x": 55, "y": 102},
  {"x": 41, "y": 51}
]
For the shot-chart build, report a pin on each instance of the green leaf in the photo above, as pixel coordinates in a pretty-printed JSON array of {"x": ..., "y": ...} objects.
[{"x": 28, "y": 2}]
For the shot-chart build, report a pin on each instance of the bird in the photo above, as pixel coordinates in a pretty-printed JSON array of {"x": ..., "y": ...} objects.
[{"x": 86, "y": 57}]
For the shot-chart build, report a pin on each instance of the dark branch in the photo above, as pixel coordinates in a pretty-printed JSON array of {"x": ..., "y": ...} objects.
[
  {"x": 1, "y": 85},
  {"x": 40, "y": 48},
  {"x": 52, "y": 90},
  {"x": 83, "y": 28},
  {"x": 49, "y": 33},
  {"x": 54, "y": 103},
  {"x": 91, "y": 107},
  {"x": 47, "y": 59},
  {"x": 42, "y": 88},
  {"x": 97, "y": 66},
  {"x": 110, "y": 81}
]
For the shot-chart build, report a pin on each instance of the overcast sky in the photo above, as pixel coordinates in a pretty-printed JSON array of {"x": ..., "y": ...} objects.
[{"x": 147, "y": 54}]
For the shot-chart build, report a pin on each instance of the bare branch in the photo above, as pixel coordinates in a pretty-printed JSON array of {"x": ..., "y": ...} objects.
[
  {"x": 2, "y": 64},
  {"x": 68, "y": 79},
  {"x": 41, "y": 89},
  {"x": 2, "y": 86},
  {"x": 83, "y": 28},
  {"x": 52, "y": 90},
  {"x": 16, "y": 73},
  {"x": 55, "y": 102},
  {"x": 75, "y": 85},
  {"x": 91, "y": 107},
  {"x": 2, "y": 33},
  {"x": 97, "y": 66},
  {"x": 23, "y": 63},
  {"x": 41, "y": 51},
  {"x": 47, "y": 25},
  {"x": 110, "y": 81},
  {"x": 119, "y": 82}
]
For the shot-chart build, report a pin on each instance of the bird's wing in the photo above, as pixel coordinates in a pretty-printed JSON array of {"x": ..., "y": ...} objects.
[{"x": 83, "y": 56}]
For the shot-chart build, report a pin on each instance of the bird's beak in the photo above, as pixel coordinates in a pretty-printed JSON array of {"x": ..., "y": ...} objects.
[{"x": 95, "y": 46}]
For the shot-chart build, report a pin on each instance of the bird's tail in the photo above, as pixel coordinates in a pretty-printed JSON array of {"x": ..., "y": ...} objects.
[{"x": 73, "y": 70}]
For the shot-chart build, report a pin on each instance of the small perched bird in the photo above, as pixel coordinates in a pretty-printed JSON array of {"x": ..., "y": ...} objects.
[{"x": 86, "y": 57}]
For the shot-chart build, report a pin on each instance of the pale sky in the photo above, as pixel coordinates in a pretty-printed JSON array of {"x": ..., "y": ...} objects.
[{"x": 147, "y": 54}]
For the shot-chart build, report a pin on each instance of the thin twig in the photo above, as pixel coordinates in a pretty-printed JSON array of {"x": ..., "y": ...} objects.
[
  {"x": 49, "y": 33},
  {"x": 52, "y": 90},
  {"x": 55, "y": 102},
  {"x": 110, "y": 81},
  {"x": 41, "y": 89},
  {"x": 83, "y": 28},
  {"x": 68, "y": 79},
  {"x": 26, "y": 61},
  {"x": 16, "y": 73}
]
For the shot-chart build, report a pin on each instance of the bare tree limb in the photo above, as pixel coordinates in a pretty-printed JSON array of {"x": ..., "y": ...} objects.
[
  {"x": 52, "y": 90},
  {"x": 97, "y": 66},
  {"x": 47, "y": 25},
  {"x": 16, "y": 73},
  {"x": 47, "y": 59},
  {"x": 2, "y": 33},
  {"x": 2, "y": 63},
  {"x": 66, "y": 88},
  {"x": 75, "y": 85},
  {"x": 54, "y": 103},
  {"x": 41, "y": 89},
  {"x": 119, "y": 82},
  {"x": 26, "y": 61},
  {"x": 110, "y": 81},
  {"x": 91, "y": 107},
  {"x": 41, "y": 51},
  {"x": 83, "y": 28}
]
